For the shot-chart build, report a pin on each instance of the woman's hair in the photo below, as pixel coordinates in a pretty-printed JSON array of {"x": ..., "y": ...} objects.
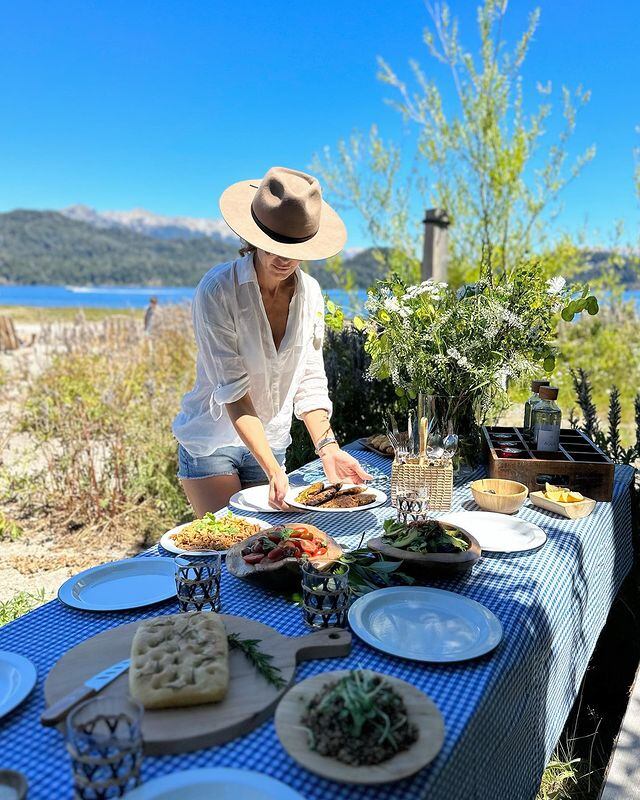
[{"x": 246, "y": 248}]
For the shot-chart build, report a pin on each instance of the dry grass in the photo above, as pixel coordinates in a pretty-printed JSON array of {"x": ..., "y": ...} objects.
[{"x": 100, "y": 412}]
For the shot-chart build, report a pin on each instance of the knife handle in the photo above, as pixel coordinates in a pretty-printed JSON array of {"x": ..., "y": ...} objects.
[{"x": 58, "y": 711}]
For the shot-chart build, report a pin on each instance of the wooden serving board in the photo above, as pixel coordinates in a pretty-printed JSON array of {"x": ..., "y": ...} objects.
[
  {"x": 249, "y": 701},
  {"x": 422, "y": 712},
  {"x": 569, "y": 510}
]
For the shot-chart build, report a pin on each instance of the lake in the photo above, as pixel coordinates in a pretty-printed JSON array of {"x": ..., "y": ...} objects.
[
  {"x": 138, "y": 296},
  {"x": 40, "y": 295}
]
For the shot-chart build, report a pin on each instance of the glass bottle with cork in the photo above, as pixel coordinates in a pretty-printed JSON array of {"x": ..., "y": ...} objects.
[
  {"x": 546, "y": 418},
  {"x": 528, "y": 406}
]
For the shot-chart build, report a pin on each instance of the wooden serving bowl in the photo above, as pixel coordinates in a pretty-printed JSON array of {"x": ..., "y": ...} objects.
[
  {"x": 422, "y": 712},
  {"x": 508, "y": 498},
  {"x": 444, "y": 562},
  {"x": 277, "y": 574},
  {"x": 577, "y": 510}
]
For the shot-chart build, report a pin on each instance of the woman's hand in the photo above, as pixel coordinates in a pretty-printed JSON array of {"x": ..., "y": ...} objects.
[
  {"x": 340, "y": 467},
  {"x": 278, "y": 487}
]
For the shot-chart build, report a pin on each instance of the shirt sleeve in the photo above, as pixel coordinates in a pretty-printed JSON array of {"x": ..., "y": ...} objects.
[
  {"x": 217, "y": 342},
  {"x": 312, "y": 392}
]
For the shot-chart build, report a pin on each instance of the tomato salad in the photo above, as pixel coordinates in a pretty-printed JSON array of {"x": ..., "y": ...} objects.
[{"x": 290, "y": 541}]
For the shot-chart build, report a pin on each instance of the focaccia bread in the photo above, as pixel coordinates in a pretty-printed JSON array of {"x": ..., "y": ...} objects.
[{"x": 179, "y": 660}]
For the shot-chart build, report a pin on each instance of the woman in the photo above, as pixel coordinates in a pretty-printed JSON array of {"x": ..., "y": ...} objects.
[{"x": 259, "y": 326}]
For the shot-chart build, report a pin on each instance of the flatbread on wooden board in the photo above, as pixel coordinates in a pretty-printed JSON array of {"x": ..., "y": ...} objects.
[{"x": 179, "y": 660}]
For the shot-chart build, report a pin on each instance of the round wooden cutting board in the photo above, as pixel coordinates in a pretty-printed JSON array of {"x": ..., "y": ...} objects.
[
  {"x": 423, "y": 712},
  {"x": 249, "y": 701}
]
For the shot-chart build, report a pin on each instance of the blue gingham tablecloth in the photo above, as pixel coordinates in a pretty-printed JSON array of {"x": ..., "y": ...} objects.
[{"x": 503, "y": 712}]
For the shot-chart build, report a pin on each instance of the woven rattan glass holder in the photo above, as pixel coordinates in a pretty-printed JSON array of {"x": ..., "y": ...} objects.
[{"x": 434, "y": 476}]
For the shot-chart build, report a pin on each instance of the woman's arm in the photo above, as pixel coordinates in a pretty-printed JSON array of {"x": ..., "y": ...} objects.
[
  {"x": 251, "y": 430},
  {"x": 337, "y": 464}
]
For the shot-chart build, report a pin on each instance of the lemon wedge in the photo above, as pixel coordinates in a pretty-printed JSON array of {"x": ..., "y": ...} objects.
[{"x": 560, "y": 494}]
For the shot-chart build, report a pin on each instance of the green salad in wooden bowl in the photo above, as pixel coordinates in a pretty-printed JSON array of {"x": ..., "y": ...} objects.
[{"x": 428, "y": 543}]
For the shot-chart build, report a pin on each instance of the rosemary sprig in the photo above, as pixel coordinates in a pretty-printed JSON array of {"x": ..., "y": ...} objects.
[{"x": 261, "y": 661}]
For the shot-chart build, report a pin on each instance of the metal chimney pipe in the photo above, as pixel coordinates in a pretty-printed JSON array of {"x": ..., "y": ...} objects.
[{"x": 436, "y": 240}]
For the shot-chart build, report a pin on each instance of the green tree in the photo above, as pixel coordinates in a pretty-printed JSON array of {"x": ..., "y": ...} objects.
[{"x": 487, "y": 162}]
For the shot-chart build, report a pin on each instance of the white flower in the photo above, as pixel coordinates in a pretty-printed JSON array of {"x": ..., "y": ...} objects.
[
  {"x": 430, "y": 287},
  {"x": 391, "y": 304},
  {"x": 556, "y": 285},
  {"x": 511, "y": 319},
  {"x": 456, "y": 355}
]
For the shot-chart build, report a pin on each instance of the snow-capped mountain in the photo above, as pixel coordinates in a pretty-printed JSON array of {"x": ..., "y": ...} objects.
[{"x": 146, "y": 222}]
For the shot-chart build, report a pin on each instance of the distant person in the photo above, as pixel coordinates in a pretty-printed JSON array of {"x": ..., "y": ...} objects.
[
  {"x": 150, "y": 313},
  {"x": 259, "y": 327}
]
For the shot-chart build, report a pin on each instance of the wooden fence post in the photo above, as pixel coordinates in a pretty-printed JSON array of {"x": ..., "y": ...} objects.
[{"x": 436, "y": 238}]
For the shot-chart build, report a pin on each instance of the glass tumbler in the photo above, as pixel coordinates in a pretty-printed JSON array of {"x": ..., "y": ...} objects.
[
  {"x": 104, "y": 741},
  {"x": 198, "y": 582},
  {"x": 325, "y": 594},
  {"x": 412, "y": 506}
]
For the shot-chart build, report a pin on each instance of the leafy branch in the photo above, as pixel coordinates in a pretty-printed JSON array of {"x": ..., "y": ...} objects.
[
  {"x": 261, "y": 661},
  {"x": 369, "y": 571}
]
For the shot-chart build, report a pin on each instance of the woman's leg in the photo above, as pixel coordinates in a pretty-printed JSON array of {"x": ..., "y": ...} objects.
[{"x": 210, "y": 494}]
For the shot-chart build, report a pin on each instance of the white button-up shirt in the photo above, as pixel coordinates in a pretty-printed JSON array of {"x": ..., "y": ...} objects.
[{"x": 236, "y": 355}]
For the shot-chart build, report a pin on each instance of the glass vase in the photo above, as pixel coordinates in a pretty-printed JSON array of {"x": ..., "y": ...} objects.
[{"x": 453, "y": 414}]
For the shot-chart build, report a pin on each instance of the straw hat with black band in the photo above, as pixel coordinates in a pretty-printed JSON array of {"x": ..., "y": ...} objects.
[{"x": 284, "y": 214}]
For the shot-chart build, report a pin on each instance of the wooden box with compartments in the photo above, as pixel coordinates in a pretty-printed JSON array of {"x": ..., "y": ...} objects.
[{"x": 578, "y": 463}]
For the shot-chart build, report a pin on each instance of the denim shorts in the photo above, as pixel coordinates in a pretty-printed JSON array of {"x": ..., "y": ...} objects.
[{"x": 225, "y": 461}]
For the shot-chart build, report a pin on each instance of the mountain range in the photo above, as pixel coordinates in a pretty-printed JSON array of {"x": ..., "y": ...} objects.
[
  {"x": 82, "y": 246},
  {"x": 146, "y": 222}
]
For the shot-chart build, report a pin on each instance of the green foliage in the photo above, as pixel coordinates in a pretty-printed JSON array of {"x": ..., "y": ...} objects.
[
  {"x": 559, "y": 779},
  {"x": 367, "y": 175},
  {"x": 18, "y": 605},
  {"x": 9, "y": 529},
  {"x": 431, "y": 339},
  {"x": 359, "y": 402},
  {"x": 102, "y": 418},
  {"x": 608, "y": 348},
  {"x": 610, "y": 442},
  {"x": 476, "y": 161},
  {"x": 334, "y": 315}
]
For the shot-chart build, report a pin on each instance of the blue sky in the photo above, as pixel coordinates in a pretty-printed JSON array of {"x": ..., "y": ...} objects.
[{"x": 162, "y": 104}]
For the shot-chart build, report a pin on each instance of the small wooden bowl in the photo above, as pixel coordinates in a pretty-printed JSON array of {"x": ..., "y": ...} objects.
[
  {"x": 570, "y": 510},
  {"x": 445, "y": 562},
  {"x": 278, "y": 574},
  {"x": 294, "y": 738},
  {"x": 508, "y": 498}
]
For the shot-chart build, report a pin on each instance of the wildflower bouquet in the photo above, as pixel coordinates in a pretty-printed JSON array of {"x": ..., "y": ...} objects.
[{"x": 463, "y": 347}]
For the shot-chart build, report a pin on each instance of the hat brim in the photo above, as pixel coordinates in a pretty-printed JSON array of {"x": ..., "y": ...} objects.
[{"x": 235, "y": 205}]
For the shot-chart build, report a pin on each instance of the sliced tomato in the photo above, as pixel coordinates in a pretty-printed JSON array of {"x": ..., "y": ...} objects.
[
  {"x": 321, "y": 551},
  {"x": 301, "y": 531},
  {"x": 308, "y": 547}
]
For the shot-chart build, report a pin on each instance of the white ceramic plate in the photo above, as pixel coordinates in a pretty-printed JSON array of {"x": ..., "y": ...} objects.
[
  {"x": 120, "y": 585},
  {"x": 425, "y": 624},
  {"x": 380, "y": 498},
  {"x": 221, "y": 782},
  {"x": 498, "y": 533},
  {"x": 168, "y": 543},
  {"x": 254, "y": 499},
  {"x": 17, "y": 679}
]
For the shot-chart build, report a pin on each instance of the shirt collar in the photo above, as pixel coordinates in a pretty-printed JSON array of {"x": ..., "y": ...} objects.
[
  {"x": 245, "y": 269},
  {"x": 247, "y": 274}
]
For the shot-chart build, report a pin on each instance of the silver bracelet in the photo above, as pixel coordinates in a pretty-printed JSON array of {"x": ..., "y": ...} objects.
[{"x": 324, "y": 442}]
